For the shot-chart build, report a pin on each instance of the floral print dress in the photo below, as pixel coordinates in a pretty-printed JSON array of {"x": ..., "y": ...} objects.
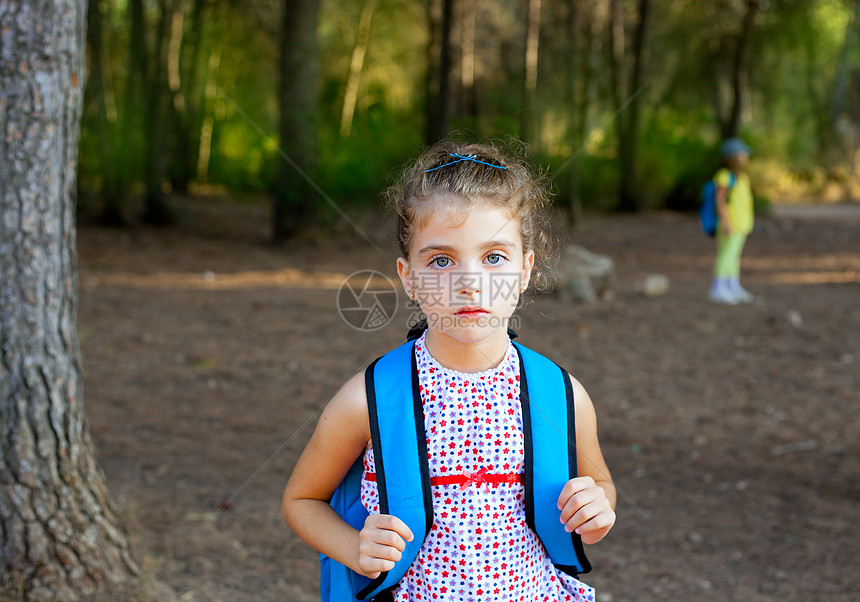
[{"x": 480, "y": 548}]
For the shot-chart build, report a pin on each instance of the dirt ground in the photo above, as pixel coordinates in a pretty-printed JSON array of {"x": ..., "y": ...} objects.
[{"x": 731, "y": 432}]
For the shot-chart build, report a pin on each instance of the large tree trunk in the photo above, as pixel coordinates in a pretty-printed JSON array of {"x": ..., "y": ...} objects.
[
  {"x": 295, "y": 199},
  {"x": 60, "y": 538}
]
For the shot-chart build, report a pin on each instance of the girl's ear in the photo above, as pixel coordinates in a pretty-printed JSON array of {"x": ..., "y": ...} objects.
[
  {"x": 405, "y": 277},
  {"x": 528, "y": 266}
]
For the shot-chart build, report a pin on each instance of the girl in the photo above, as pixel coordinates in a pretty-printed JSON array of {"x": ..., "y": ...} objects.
[
  {"x": 735, "y": 222},
  {"x": 469, "y": 229}
]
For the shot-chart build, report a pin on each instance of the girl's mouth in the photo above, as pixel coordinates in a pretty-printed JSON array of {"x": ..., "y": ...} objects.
[{"x": 471, "y": 312}]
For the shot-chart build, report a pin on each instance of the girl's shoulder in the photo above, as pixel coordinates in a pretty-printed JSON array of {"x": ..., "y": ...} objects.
[
  {"x": 723, "y": 177},
  {"x": 348, "y": 407},
  {"x": 583, "y": 406}
]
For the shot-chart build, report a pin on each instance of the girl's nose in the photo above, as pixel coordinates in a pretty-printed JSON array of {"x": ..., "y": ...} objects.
[{"x": 469, "y": 283}]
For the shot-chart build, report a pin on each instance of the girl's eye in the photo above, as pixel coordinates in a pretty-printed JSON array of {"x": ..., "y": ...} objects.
[
  {"x": 495, "y": 259},
  {"x": 440, "y": 262}
]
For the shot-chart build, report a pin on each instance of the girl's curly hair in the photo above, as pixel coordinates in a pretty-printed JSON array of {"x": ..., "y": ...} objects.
[{"x": 438, "y": 180}]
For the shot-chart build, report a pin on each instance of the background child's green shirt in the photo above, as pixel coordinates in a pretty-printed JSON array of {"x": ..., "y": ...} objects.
[{"x": 740, "y": 200}]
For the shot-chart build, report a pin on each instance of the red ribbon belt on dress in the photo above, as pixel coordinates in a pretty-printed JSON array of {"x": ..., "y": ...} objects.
[{"x": 463, "y": 480}]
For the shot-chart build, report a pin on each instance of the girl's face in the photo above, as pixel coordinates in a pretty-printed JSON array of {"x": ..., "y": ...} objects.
[
  {"x": 467, "y": 271},
  {"x": 739, "y": 161}
]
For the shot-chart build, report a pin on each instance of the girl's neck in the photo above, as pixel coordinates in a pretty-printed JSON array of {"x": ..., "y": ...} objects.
[{"x": 467, "y": 356}]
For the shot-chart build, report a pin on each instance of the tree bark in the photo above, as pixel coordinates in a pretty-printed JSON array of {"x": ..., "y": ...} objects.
[
  {"x": 294, "y": 199},
  {"x": 60, "y": 538}
]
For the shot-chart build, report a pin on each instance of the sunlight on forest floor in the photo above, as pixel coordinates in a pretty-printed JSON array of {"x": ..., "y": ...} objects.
[{"x": 285, "y": 278}]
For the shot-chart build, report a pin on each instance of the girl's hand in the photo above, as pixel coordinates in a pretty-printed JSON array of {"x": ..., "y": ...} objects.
[
  {"x": 586, "y": 509},
  {"x": 726, "y": 226},
  {"x": 381, "y": 543}
]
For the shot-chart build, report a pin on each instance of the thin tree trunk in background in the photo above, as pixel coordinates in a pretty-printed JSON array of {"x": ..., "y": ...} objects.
[
  {"x": 528, "y": 111},
  {"x": 208, "y": 121},
  {"x": 190, "y": 130},
  {"x": 431, "y": 81},
  {"x": 61, "y": 539},
  {"x": 156, "y": 209},
  {"x": 293, "y": 206},
  {"x": 730, "y": 126},
  {"x": 838, "y": 96},
  {"x": 177, "y": 136},
  {"x": 467, "y": 105},
  {"x": 618, "y": 67},
  {"x": 617, "y": 56},
  {"x": 577, "y": 94},
  {"x": 629, "y": 198},
  {"x": 112, "y": 193},
  {"x": 356, "y": 65},
  {"x": 132, "y": 117},
  {"x": 624, "y": 93},
  {"x": 439, "y": 72}
]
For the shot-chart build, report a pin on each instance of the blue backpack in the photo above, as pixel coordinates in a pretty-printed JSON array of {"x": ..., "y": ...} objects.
[
  {"x": 708, "y": 209},
  {"x": 403, "y": 474}
]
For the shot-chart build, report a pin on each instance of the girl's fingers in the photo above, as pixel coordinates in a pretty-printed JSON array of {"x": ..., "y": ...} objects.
[
  {"x": 376, "y": 558},
  {"x": 580, "y": 499},
  {"x": 392, "y": 524},
  {"x": 380, "y": 552},
  {"x": 595, "y": 529},
  {"x": 572, "y": 487},
  {"x": 597, "y": 514},
  {"x": 381, "y": 543}
]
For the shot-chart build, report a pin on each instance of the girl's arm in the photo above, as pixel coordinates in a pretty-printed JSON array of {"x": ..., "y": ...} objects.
[
  {"x": 340, "y": 437},
  {"x": 723, "y": 218},
  {"x": 587, "y": 503}
]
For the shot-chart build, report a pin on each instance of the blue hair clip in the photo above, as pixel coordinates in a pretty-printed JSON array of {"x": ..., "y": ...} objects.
[{"x": 461, "y": 158}]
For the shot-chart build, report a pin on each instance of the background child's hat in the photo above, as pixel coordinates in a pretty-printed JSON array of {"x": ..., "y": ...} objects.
[{"x": 734, "y": 146}]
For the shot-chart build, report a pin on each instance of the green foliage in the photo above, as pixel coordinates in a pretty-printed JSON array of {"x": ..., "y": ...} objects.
[
  {"x": 355, "y": 169},
  {"x": 794, "y": 62}
]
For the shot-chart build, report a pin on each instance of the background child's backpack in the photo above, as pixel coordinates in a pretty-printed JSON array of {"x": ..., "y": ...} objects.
[{"x": 708, "y": 209}]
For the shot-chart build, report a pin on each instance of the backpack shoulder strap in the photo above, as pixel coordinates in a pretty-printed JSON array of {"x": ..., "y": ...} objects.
[
  {"x": 400, "y": 452},
  {"x": 549, "y": 428}
]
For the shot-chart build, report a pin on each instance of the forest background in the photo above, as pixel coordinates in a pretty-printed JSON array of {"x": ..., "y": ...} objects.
[
  {"x": 202, "y": 346},
  {"x": 624, "y": 101}
]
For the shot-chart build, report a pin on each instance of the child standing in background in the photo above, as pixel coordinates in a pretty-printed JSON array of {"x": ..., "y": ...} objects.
[
  {"x": 734, "y": 201},
  {"x": 470, "y": 229}
]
